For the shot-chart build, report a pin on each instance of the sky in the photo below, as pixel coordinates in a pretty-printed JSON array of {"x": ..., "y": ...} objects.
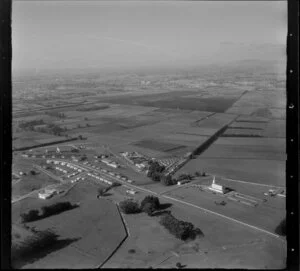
[{"x": 101, "y": 34}]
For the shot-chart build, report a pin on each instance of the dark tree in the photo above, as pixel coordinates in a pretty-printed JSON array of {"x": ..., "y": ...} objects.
[
  {"x": 129, "y": 207},
  {"x": 32, "y": 215},
  {"x": 149, "y": 209},
  {"x": 167, "y": 180},
  {"x": 281, "y": 228},
  {"x": 150, "y": 203}
]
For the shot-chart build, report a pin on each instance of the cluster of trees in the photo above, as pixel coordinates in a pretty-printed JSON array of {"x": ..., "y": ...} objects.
[
  {"x": 129, "y": 206},
  {"x": 168, "y": 180},
  {"x": 32, "y": 244},
  {"x": 155, "y": 171},
  {"x": 149, "y": 205},
  {"x": 180, "y": 229},
  {"x": 53, "y": 209}
]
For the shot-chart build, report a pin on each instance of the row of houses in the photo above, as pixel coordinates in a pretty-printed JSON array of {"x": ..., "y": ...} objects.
[{"x": 100, "y": 178}]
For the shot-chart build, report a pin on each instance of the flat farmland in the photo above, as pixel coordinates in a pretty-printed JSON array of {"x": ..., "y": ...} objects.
[
  {"x": 124, "y": 111},
  {"x": 266, "y": 152},
  {"x": 96, "y": 228},
  {"x": 186, "y": 139},
  {"x": 242, "y": 110},
  {"x": 278, "y": 113},
  {"x": 263, "y": 216},
  {"x": 251, "y": 119},
  {"x": 244, "y": 132},
  {"x": 158, "y": 145},
  {"x": 262, "y": 99},
  {"x": 176, "y": 100},
  {"x": 272, "y": 143},
  {"x": 251, "y": 125},
  {"x": 270, "y": 172},
  {"x": 276, "y": 128}
]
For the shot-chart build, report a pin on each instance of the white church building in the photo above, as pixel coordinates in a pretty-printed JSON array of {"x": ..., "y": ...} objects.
[{"x": 216, "y": 187}]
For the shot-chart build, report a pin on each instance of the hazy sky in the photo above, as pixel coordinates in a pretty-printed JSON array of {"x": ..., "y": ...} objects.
[{"x": 69, "y": 34}]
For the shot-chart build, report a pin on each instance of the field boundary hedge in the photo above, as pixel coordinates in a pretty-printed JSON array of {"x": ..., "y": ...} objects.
[{"x": 45, "y": 144}]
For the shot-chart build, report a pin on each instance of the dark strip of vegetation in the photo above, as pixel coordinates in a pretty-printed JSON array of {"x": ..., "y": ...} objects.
[
  {"x": 252, "y": 121},
  {"x": 45, "y": 144},
  {"x": 239, "y": 135},
  {"x": 180, "y": 229},
  {"x": 209, "y": 141},
  {"x": 36, "y": 246},
  {"x": 93, "y": 108},
  {"x": 129, "y": 206},
  {"x": 245, "y": 128},
  {"x": 53, "y": 209}
]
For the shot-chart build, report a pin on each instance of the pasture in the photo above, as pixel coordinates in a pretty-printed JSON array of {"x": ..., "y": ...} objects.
[
  {"x": 95, "y": 226},
  {"x": 270, "y": 172},
  {"x": 158, "y": 145}
]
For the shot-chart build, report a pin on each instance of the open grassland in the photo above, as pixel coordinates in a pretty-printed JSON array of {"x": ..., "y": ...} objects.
[
  {"x": 176, "y": 100},
  {"x": 149, "y": 244},
  {"x": 223, "y": 239},
  {"x": 96, "y": 227},
  {"x": 270, "y": 172},
  {"x": 186, "y": 139},
  {"x": 158, "y": 145},
  {"x": 223, "y": 148},
  {"x": 244, "y": 132}
]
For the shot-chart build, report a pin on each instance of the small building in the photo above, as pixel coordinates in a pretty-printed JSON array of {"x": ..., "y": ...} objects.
[
  {"x": 131, "y": 192},
  {"x": 182, "y": 182}
]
